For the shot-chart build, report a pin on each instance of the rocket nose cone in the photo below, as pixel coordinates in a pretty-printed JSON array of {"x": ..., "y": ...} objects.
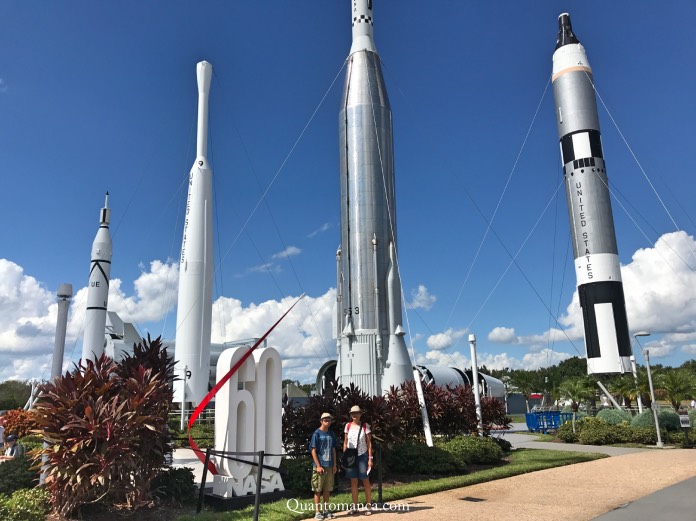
[{"x": 565, "y": 31}]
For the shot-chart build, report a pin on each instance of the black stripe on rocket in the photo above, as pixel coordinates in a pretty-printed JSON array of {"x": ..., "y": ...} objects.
[
  {"x": 581, "y": 146},
  {"x": 603, "y": 293},
  {"x": 97, "y": 264}
]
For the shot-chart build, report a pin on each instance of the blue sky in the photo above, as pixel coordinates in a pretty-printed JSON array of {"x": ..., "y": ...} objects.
[{"x": 98, "y": 97}]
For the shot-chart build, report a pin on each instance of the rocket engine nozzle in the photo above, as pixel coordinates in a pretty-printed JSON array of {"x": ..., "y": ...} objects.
[{"x": 565, "y": 31}]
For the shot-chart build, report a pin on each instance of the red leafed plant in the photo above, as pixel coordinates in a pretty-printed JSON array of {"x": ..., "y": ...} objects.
[
  {"x": 19, "y": 422},
  {"x": 106, "y": 427}
]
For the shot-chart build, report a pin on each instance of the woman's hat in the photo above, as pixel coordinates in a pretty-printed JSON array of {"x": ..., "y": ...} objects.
[{"x": 355, "y": 408}]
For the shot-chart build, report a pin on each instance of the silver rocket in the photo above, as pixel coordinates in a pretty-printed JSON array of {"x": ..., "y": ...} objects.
[
  {"x": 372, "y": 353},
  {"x": 98, "y": 291},
  {"x": 194, "y": 311},
  {"x": 597, "y": 266}
]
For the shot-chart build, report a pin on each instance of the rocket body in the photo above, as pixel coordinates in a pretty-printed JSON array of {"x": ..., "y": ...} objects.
[
  {"x": 371, "y": 348},
  {"x": 597, "y": 266},
  {"x": 194, "y": 311},
  {"x": 98, "y": 291}
]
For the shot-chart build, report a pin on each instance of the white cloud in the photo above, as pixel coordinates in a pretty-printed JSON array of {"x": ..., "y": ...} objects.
[
  {"x": 689, "y": 349},
  {"x": 503, "y": 335},
  {"x": 446, "y": 339},
  {"x": 290, "y": 251},
  {"x": 324, "y": 227},
  {"x": 156, "y": 294},
  {"x": 304, "y": 334},
  {"x": 3, "y": 86},
  {"x": 421, "y": 298},
  {"x": 530, "y": 361}
]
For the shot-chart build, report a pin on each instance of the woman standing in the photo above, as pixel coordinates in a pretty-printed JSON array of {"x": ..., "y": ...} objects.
[{"x": 359, "y": 436}]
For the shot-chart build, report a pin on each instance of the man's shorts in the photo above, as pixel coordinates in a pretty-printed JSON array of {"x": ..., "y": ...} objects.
[
  {"x": 360, "y": 470},
  {"x": 323, "y": 482}
]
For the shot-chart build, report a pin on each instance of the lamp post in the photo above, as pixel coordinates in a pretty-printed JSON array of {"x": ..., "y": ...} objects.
[
  {"x": 646, "y": 353},
  {"x": 634, "y": 370}
]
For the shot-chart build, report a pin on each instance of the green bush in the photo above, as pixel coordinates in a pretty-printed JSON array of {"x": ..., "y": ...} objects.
[
  {"x": 669, "y": 420},
  {"x": 16, "y": 474},
  {"x": 176, "y": 484},
  {"x": 614, "y": 416},
  {"x": 468, "y": 450},
  {"x": 296, "y": 473},
  {"x": 692, "y": 419},
  {"x": 31, "y": 443},
  {"x": 596, "y": 431},
  {"x": 565, "y": 432},
  {"x": 202, "y": 434},
  {"x": 644, "y": 419},
  {"x": 644, "y": 435},
  {"x": 25, "y": 505},
  {"x": 417, "y": 458}
]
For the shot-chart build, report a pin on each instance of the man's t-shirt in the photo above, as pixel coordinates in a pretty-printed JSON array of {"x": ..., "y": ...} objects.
[{"x": 325, "y": 443}]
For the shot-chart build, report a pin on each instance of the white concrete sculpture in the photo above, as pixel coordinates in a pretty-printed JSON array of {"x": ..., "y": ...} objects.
[{"x": 248, "y": 418}]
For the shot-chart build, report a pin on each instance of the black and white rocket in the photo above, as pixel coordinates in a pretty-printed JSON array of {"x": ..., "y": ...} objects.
[
  {"x": 195, "y": 307},
  {"x": 98, "y": 291},
  {"x": 597, "y": 266},
  {"x": 372, "y": 352}
]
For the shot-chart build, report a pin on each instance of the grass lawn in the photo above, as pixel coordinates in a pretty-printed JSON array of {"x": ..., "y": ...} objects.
[{"x": 521, "y": 461}]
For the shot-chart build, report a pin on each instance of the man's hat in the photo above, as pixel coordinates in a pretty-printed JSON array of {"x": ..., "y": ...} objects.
[
  {"x": 11, "y": 437},
  {"x": 326, "y": 415}
]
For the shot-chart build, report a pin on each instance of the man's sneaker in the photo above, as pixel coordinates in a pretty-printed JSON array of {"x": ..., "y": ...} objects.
[
  {"x": 329, "y": 515},
  {"x": 319, "y": 515}
]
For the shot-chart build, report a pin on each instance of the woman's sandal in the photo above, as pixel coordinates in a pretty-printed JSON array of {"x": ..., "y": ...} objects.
[{"x": 368, "y": 509}]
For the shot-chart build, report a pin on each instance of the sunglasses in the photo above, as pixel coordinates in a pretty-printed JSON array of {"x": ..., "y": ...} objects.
[{"x": 326, "y": 419}]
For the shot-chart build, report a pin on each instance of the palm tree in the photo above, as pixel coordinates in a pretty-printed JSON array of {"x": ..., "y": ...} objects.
[
  {"x": 577, "y": 390},
  {"x": 677, "y": 385},
  {"x": 624, "y": 387},
  {"x": 526, "y": 382}
]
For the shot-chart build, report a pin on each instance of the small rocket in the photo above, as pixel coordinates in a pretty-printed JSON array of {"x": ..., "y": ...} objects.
[
  {"x": 194, "y": 311},
  {"x": 597, "y": 266},
  {"x": 98, "y": 290},
  {"x": 372, "y": 353}
]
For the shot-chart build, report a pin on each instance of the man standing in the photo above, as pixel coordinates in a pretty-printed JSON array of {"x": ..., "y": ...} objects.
[{"x": 323, "y": 449}]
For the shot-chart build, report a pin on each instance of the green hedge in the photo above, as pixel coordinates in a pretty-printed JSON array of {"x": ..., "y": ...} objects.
[
  {"x": 473, "y": 450},
  {"x": 25, "y": 505},
  {"x": 176, "y": 484},
  {"x": 669, "y": 420},
  {"x": 16, "y": 474},
  {"x": 614, "y": 416},
  {"x": 417, "y": 458},
  {"x": 296, "y": 473}
]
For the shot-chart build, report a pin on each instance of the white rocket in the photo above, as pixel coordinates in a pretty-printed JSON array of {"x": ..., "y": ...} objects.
[
  {"x": 98, "y": 291},
  {"x": 194, "y": 311},
  {"x": 597, "y": 265}
]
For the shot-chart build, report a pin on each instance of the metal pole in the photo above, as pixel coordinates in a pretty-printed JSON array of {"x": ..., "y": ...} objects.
[
  {"x": 379, "y": 475},
  {"x": 201, "y": 493},
  {"x": 182, "y": 424},
  {"x": 639, "y": 399},
  {"x": 474, "y": 371},
  {"x": 257, "y": 500},
  {"x": 652, "y": 397}
]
